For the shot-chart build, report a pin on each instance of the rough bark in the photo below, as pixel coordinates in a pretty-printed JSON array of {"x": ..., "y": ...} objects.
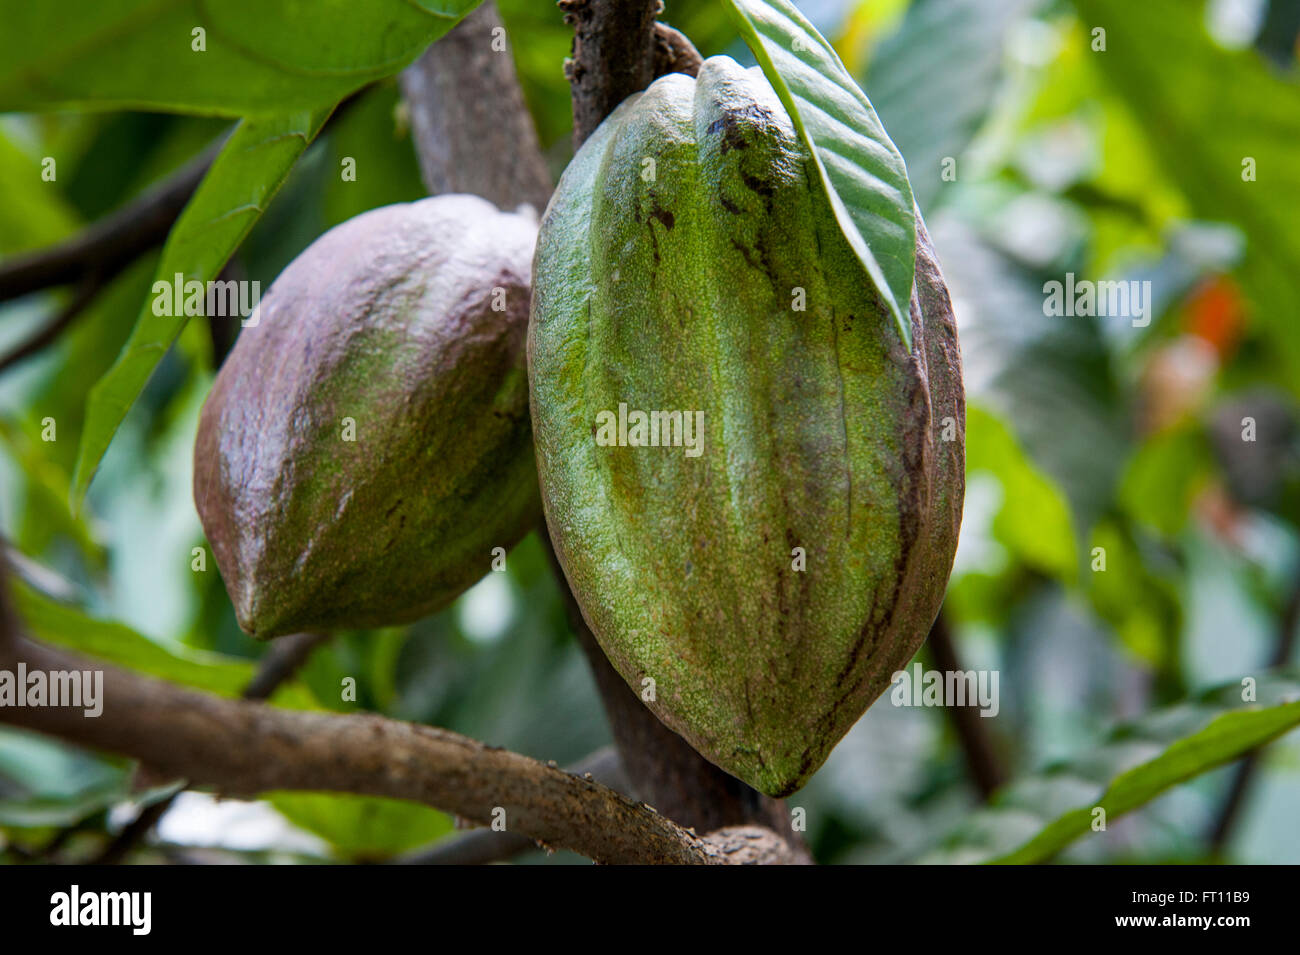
[
  {"x": 613, "y": 56},
  {"x": 280, "y": 662},
  {"x": 674, "y": 53},
  {"x": 484, "y": 846}
]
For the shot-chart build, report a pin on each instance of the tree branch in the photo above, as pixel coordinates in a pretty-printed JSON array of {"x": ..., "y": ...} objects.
[
  {"x": 280, "y": 662},
  {"x": 242, "y": 747},
  {"x": 472, "y": 132},
  {"x": 613, "y": 56},
  {"x": 986, "y": 770},
  {"x": 674, "y": 53},
  {"x": 247, "y": 748},
  {"x": 483, "y": 846},
  {"x": 108, "y": 246},
  {"x": 85, "y": 294}
]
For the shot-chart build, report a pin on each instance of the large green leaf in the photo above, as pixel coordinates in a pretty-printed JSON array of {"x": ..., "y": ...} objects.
[
  {"x": 258, "y": 56},
  {"x": 1034, "y": 818},
  {"x": 245, "y": 176},
  {"x": 934, "y": 80},
  {"x": 1206, "y": 110},
  {"x": 864, "y": 176},
  {"x": 52, "y": 622}
]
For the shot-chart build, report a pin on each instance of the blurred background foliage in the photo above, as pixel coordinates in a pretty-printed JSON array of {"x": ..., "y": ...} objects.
[{"x": 1122, "y": 163}]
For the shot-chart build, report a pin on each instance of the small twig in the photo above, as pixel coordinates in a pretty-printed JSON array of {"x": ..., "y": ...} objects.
[
  {"x": 977, "y": 748},
  {"x": 108, "y": 246},
  {"x": 674, "y": 53},
  {"x": 134, "y": 833},
  {"x": 85, "y": 294},
  {"x": 284, "y": 658},
  {"x": 1244, "y": 775}
]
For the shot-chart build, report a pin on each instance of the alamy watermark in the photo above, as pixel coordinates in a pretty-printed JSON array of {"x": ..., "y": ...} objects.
[
  {"x": 211, "y": 299},
  {"x": 82, "y": 689},
  {"x": 651, "y": 429},
  {"x": 919, "y": 687},
  {"x": 1085, "y": 298},
  {"x": 133, "y": 910}
]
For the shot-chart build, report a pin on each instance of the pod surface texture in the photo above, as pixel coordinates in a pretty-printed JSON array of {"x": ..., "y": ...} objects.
[
  {"x": 756, "y": 583},
  {"x": 367, "y": 443}
]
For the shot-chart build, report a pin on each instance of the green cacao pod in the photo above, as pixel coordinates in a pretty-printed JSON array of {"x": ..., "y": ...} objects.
[
  {"x": 761, "y": 551},
  {"x": 367, "y": 442}
]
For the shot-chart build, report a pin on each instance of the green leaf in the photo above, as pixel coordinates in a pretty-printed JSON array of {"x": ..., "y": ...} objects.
[
  {"x": 1034, "y": 818},
  {"x": 44, "y": 811},
  {"x": 30, "y": 215},
  {"x": 245, "y": 176},
  {"x": 1161, "y": 480},
  {"x": 1033, "y": 519},
  {"x": 39, "y": 767},
  {"x": 45, "y": 503},
  {"x": 1206, "y": 111},
  {"x": 864, "y": 176},
  {"x": 52, "y": 622},
  {"x": 935, "y": 79},
  {"x": 363, "y": 827},
  {"x": 257, "y": 56}
]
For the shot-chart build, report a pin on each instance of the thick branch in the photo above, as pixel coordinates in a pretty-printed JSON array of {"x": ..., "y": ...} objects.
[
  {"x": 243, "y": 747},
  {"x": 277, "y": 665},
  {"x": 247, "y": 748},
  {"x": 473, "y": 133}
]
